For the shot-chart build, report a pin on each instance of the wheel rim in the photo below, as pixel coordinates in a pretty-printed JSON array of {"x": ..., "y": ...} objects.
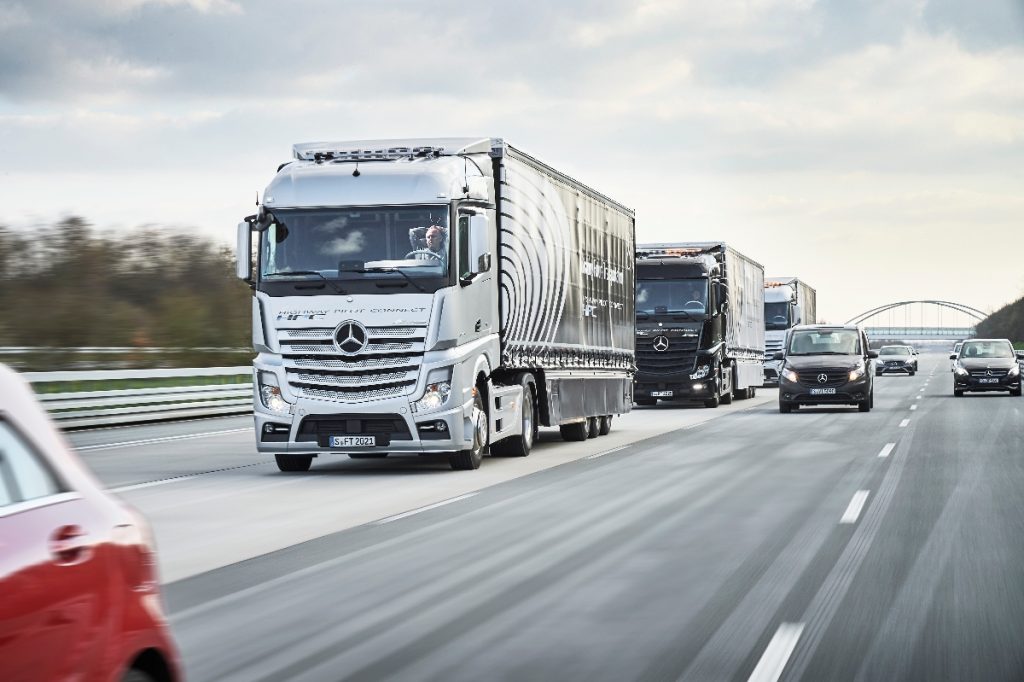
[
  {"x": 528, "y": 422},
  {"x": 479, "y": 430}
]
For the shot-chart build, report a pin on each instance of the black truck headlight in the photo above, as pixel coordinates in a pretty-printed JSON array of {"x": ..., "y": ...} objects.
[{"x": 701, "y": 372}]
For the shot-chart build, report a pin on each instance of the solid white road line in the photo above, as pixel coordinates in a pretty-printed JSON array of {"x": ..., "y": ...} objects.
[
  {"x": 165, "y": 439},
  {"x": 407, "y": 514},
  {"x": 887, "y": 450},
  {"x": 904, "y": 423},
  {"x": 776, "y": 654},
  {"x": 852, "y": 512}
]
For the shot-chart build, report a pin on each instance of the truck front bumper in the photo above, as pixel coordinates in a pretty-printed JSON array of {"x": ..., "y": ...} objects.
[
  {"x": 689, "y": 389},
  {"x": 393, "y": 423}
]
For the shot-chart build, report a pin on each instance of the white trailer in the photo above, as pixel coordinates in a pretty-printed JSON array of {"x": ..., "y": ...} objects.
[{"x": 788, "y": 301}]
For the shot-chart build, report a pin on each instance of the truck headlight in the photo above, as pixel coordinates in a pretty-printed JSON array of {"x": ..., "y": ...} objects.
[
  {"x": 790, "y": 375},
  {"x": 439, "y": 388},
  {"x": 701, "y": 372},
  {"x": 270, "y": 394}
]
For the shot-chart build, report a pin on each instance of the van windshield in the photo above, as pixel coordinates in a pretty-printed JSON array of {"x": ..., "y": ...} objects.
[{"x": 825, "y": 342}]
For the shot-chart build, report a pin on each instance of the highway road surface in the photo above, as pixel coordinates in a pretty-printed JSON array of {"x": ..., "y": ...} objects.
[{"x": 728, "y": 544}]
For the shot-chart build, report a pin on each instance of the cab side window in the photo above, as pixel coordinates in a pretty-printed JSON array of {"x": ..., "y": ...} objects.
[
  {"x": 465, "y": 270},
  {"x": 23, "y": 475}
]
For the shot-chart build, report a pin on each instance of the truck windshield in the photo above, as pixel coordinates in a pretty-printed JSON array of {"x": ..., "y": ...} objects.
[
  {"x": 395, "y": 243},
  {"x": 667, "y": 296},
  {"x": 825, "y": 342},
  {"x": 776, "y": 315}
]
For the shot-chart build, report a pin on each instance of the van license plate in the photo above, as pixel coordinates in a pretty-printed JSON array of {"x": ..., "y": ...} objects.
[
  {"x": 661, "y": 394},
  {"x": 353, "y": 441},
  {"x": 823, "y": 391}
]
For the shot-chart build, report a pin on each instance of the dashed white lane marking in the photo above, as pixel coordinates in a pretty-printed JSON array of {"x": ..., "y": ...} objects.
[
  {"x": 607, "y": 452},
  {"x": 852, "y": 512},
  {"x": 442, "y": 503},
  {"x": 150, "y": 484},
  {"x": 887, "y": 450},
  {"x": 164, "y": 439},
  {"x": 776, "y": 654},
  {"x": 913, "y": 407},
  {"x": 904, "y": 423}
]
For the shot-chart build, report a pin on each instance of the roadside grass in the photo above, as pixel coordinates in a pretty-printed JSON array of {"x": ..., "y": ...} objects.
[{"x": 127, "y": 384}]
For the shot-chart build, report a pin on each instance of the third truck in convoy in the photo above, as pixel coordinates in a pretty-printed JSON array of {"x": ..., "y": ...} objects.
[
  {"x": 435, "y": 296},
  {"x": 699, "y": 323},
  {"x": 788, "y": 301}
]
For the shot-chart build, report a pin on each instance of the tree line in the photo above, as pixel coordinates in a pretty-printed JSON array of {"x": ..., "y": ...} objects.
[
  {"x": 1007, "y": 322},
  {"x": 69, "y": 285}
]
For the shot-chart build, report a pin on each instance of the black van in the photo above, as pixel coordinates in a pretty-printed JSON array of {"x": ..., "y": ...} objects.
[{"x": 826, "y": 365}]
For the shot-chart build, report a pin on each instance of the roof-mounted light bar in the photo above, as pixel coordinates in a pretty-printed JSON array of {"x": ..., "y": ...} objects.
[
  {"x": 670, "y": 252},
  {"x": 383, "y": 154}
]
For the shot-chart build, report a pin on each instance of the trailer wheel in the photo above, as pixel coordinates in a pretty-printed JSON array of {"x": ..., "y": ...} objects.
[
  {"x": 293, "y": 463},
  {"x": 593, "y": 427},
  {"x": 574, "y": 431},
  {"x": 520, "y": 446},
  {"x": 606, "y": 425},
  {"x": 470, "y": 459}
]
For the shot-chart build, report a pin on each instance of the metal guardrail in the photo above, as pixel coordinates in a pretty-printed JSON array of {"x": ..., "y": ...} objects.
[{"x": 77, "y": 409}]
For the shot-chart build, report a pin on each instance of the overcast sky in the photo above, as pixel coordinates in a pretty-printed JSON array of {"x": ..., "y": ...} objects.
[{"x": 874, "y": 148}]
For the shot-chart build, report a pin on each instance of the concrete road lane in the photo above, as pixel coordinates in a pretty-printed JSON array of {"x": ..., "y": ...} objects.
[
  {"x": 825, "y": 544},
  {"x": 213, "y": 501}
]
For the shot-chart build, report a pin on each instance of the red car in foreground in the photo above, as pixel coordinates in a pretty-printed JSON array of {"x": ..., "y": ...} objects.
[{"x": 79, "y": 595}]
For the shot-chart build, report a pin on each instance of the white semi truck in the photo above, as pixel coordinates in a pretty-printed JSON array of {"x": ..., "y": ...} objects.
[
  {"x": 788, "y": 301},
  {"x": 434, "y": 297}
]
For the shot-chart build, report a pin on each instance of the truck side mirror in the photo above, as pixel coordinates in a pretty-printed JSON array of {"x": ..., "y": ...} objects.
[
  {"x": 953, "y": 356},
  {"x": 798, "y": 315},
  {"x": 479, "y": 256},
  {"x": 243, "y": 255},
  {"x": 872, "y": 354},
  {"x": 779, "y": 355}
]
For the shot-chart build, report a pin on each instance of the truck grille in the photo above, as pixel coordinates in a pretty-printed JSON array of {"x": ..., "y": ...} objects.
[
  {"x": 679, "y": 358},
  {"x": 772, "y": 347},
  {"x": 387, "y": 367}
]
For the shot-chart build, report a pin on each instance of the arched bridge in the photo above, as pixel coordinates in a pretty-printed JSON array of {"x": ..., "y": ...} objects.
[{"x": 920, "y": 320}]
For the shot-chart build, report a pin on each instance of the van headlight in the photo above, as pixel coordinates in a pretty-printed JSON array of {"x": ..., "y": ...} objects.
[
  {"x": 439, "y": 388},
  {"x": 856, "y": 373},
  {"x": 270, "y": 394},
  {"x": 790, "y": 375}
]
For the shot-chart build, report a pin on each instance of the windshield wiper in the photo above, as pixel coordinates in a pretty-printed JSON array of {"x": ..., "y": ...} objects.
[
  {"x": 392, "y": 269},
  {"x": 301, "y": 273}
]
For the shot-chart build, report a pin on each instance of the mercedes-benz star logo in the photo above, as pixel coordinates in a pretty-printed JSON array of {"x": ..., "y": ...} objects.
[
  {"x": 822, "y": 378},
  {"x": 988, "y": 372},
  {"x": 661, "y": 344},
  {"x": 350, "y": 337}
]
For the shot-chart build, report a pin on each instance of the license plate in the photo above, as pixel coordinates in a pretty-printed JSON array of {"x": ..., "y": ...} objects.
[
  {"x": 993, "y": 380},
  {"x": 353, "y": 441},
  {"x": 823, "y": 391},
  {"x": 661, "y": 394}
]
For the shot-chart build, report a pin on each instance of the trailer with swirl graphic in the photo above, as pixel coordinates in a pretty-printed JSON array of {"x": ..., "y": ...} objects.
[{"x": 439, "y": 297}]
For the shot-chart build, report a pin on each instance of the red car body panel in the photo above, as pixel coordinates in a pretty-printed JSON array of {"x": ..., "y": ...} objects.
[{"x": 79, "y": 598}]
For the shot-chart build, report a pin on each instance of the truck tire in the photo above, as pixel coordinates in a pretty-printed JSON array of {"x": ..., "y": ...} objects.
[
  {"x": 1017, "y": 391},
  {"x": 294, "y": 463},
  {"x": 727, "y": 398},
  {"x": 520, "y": 446},
  {"x": 606, "y": 425},
  {"x": 593, "y": 427},
  {"x": 470, "y": 459},
  {"x": 574, "y": 432}
]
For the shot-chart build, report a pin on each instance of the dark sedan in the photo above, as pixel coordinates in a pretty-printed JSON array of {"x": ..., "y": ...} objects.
[
  {"x": 896, "y": 359},
  {"x": 986, "y": 365}
]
